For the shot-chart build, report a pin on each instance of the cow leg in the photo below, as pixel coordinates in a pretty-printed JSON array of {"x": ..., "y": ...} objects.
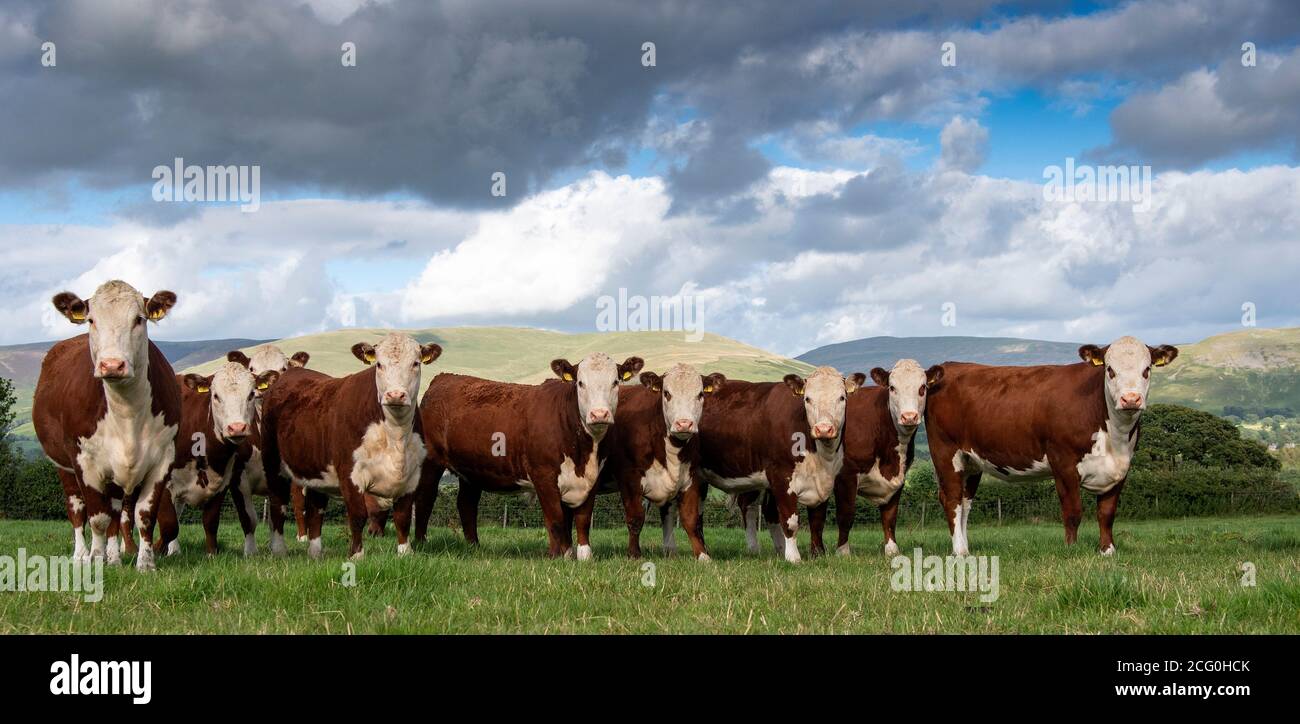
[
  {"x": 951, "y": 487},
  {"x": 667, "y": 524},
  {"x": 1067, "y": 489},
  {"x": 971, "y": 484},
  {"x": 242, "y": 496},
  {"x": 746, "y": 502},
  {"x": 376, "y": 516},
  {"x": 276, "y": 513},
  {"x": 773, "y": 527},
  {"x": 125, "y": 516},
  {"x": 279, "y": 492},
  {"x": 115, "y": 529},
  {"x": 566, "y": 531},
  {"x": 629, "y": 489},
  {"x": 787, "y": 511},
  {"x": 212, "y": 520},
  {"x": 690, "y": 509},
  {"x": 299, "y": 499},
  {"x": 816, "y": 520},
  {"x": 582, "y": 519},
  {"x": 846, "y": 506},
  {"x": 402, "y": 522},
  {"x": 75, "y": 507},
  {"x": 1107, "y": 504},
  {"x": 553, "y": 516},
  {"x": 99, "y": 511},
  {"x": 147, "y": 501},
  {"x": 426, "y": 494},
  {"x": 355, "y": 502},
  {"x": 888, "y": 517},
  {"x": 313, "y": 510},
  {"x": 467, "y": 501}
]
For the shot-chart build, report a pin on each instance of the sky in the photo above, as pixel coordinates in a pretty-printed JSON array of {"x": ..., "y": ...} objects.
[{"x": 801, "y": 173}]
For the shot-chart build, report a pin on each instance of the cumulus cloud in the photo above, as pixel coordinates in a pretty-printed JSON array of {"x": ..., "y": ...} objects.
[{"x": 963, "y": 144}]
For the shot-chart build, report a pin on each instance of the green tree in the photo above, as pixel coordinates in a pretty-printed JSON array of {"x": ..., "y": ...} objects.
[
  {"x": 1201, "y": 438},
  {"x": 7, "y": 402}
]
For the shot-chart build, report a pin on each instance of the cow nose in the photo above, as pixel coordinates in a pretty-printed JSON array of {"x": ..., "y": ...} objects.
[
  {"x": 909, "y": 418},
  {"x": 237, "y": 429},
  {"x": 823, "y": 430},
  {"x": 683, "y": 425},
  {"x": 395, "y": 397},
  {"x": 109, "y": 367},
  {"x": 600, "y": 415},
  {"x": 1130, "y": 401}
]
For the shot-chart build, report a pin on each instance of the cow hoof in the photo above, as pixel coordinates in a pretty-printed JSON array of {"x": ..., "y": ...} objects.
[
  {"x": 1108, "y": 550},
  {"x": 250, "y": 545},
  {"x": 891, "y": 549},
  {"x": 174, "y": 548},
  {"x": 843, "y": 551},
  {"x": 302, "y": 539},
  {"x": 144, "y": 560},
  {"x": 569, "y": 553},
  {"x": 584, "y": 553},
  {"x": 753, "y": 550},
  {"x": 278, "y": 548},
  {"x": 403, "y": 549},
  {"x": 358, "y": 555},
  {"x": 704, "y": 558},
  {"x": 314, "y": 549}
]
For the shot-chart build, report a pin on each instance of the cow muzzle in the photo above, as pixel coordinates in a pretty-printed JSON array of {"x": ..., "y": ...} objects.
[
  {"x": 600, "y": 416},
  {"x": 824, "y": 431},
  {"x": 683, "y": 429},
  {"x": 110, "y": 368},
  {"x": 909, "y": 419},
  {"x": 1130, "y": 401},
  {"x": 237, "y": 431},
  {"x": 396, "y": 398}
]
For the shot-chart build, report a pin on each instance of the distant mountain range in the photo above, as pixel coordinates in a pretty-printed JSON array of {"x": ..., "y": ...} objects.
[{"x": 860, "y": 355}]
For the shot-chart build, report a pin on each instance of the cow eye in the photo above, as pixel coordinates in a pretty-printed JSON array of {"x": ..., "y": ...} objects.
[
  {"x": 1146, "y": 373},
  {"x": 580, "y": 383},
  {"x": 921, "y": 391},
  {"x": 841, "y": 398},
  {"x": 700, "y": 396},
  {"x": 1110, "y": 371},
  {"x": 139, "y": 321},
  {"x": 668, "y": 395},
  {"x": 614, "y": 383},
  {"x": 415, "y": 365},
  {"x": 891, "y": 388},
  {"x": 808, "y": 400}
]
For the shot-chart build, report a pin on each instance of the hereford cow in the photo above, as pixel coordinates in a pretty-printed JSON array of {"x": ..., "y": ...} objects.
[
  {"x": 106, "y": 411},
  {"x": 779, "y": 437},
  {"x": 348, "y": 436},
  {"x": 879, "y": 439},
  {"x": 654, "y": 451},
  {"x": 505, "y": 438},
  {"x": 267, "y": 358},
  {"x": 1077, "y": 424},
  {"x": 218, "y": 420}
]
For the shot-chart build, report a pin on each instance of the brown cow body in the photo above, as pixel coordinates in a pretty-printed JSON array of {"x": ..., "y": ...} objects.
[{"x": 1032, "y": 423}]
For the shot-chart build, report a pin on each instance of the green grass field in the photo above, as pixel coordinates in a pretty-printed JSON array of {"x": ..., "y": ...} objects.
[{"x": 1175, "y": 576}]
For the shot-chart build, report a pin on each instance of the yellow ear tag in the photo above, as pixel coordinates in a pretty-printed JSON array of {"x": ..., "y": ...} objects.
[
  {"x": 201, "y": 390},
  {"x": 263, "y": 386},
  {"x": 370, "y": 358},
  {"x": 1163, "y": 361},
  {"x": 77, "y": 316},
  {"x": 930, "y": 381},
  {"x": 157, "y": 314},
  {"x": 1097, "y": 362},
  {"x": 627, "y": 376},
  {"x": 568, "y": 377},
  {"x": 709, "y": 388},
  {"x": 426, "y": 359}
]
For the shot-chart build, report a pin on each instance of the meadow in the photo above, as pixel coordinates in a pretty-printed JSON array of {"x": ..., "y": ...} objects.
[{"x": 1170, "y": 576}]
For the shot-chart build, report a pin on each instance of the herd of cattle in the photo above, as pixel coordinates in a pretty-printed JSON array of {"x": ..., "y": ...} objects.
[{"x": 134, "y": 443}]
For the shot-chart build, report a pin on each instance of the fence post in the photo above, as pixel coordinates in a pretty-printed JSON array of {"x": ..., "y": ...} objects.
[
  {"x": 922, "y": 515},
  {"x": 505, "y": 515},
  {"x": 999, "y": 511}
]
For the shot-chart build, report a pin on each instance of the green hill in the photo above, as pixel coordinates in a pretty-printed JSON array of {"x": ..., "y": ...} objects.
[{"x": 1256, "y": 369}]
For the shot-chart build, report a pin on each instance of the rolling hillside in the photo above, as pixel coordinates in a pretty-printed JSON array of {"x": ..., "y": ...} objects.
[{"x": 860, "y": 355}]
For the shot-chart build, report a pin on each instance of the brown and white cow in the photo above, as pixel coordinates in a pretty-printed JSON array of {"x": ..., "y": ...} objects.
[
  {"x": 106, "y": 411},
  {"x": 218, "y": 422},
  {"x": 1077, "y": 424},
  {"x": 507, "y": 438},
  {"x": 654, "y": 452},
  {"x": 267, "y": 358},
  {"x": 879, "y": 441},
  {"x": 782, "y": 438},
  {"x": 348, "y": 436}
]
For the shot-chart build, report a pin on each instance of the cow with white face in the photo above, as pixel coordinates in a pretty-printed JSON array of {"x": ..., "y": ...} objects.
[
  {"x": 879, "y": 443},
  {"x": 371, "y": 428},
  {"x": 218, "y": 416},
  {"x": 267, "y": 358},
  {"x": 106, "y": 410},
  {"x": 1077, "y": 424},
  {"x": 780, "y": 437},
  {"x": 654, "y": 453},
  {"x": 551, "y": 439}
]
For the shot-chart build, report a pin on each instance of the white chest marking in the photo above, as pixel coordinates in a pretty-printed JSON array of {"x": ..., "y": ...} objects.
[
  {"x": 127, "y": 449},
  {"x": 1108, "y": 461},
  {"x": 662, "y": 482},
  {"x": 574, "y": 488},
  {"x": 814, "y": 478},
  {"x": 877, "y": 488},
  {"x": 387, "y": 464}
]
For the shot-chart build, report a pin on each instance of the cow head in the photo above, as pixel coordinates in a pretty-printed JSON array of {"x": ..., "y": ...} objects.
[
  {"x": 397, "y": 359},
  {"x": 824, "y": 393},
  {"x": 1127, "y": 363},
  {"x": 118, "y": 316},
  {"x": 596, "y": 378},
  {"x": 232, "y": 398},
  {"x": 907, "y": 384},
  {"x": 682, "y": 392},
  {"x": 268, "y": 358}
]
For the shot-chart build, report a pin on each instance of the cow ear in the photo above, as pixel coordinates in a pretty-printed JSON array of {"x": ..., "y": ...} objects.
[
  {"x": 299, "y": 359},
  {"x": 854, "y": 381},
  {"x": 630, "y": 366},
  {"x": 713, "y": 382},
  {"x": 71, "y": 306},
  {"x": 1094, "y": 354},
  {"x": 266, "y": 379},
  {"x": 880, "y": 376},
  {"x": 933, "y": 375},
  {"x": 239, "y": 358},
  {"x": 564, "y": 369},
  {"x": 652, "y": 380},
  {"x": 198, "y": 383},
  {"x": 795, "y": 383},
  {"x": 364, "y": 352},
  {"x": 429, "y": 353},
  {"x": 159, "y": 305},
  {"x": 1163, "y": 355}
]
